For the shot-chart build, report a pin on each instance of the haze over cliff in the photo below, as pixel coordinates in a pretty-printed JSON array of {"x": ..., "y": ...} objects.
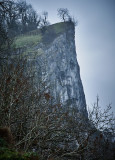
[{"x": 52, "y": 52}]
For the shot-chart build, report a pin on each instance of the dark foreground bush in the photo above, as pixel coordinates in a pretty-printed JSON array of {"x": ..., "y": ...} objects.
[{"x": 8, "y": 153}]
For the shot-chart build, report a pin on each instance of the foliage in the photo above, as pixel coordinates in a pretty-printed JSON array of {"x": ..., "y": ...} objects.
[
  {"x": 19, "y": 17},
  {"x": 11, "y": 154},
  {"x": 7, "y": 151}
]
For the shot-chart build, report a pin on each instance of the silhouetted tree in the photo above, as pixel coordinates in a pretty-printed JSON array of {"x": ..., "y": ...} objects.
[
  {"x": 63, "y": 13},
  {"x": 6, "y": 21},
  {"x": 28, "y": 16},
  {"x": 65, "y": 16},
  {"x": 44, "y": 21},
  {"x": 18, "y": 17}
]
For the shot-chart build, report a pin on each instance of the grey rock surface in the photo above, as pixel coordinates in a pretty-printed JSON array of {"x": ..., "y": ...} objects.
[{"x": 57, "y": 60}]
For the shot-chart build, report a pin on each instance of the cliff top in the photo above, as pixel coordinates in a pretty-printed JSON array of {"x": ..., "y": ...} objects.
[{"x": 44, "y": 35}]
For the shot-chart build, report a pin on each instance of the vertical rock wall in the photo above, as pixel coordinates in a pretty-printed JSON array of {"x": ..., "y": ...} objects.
[
  {"x": 62, "y": 69},
  {"x": 55, "y": 57}
]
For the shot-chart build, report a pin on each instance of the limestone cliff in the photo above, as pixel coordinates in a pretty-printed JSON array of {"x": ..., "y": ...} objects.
[{"x": 52, "y": 50}]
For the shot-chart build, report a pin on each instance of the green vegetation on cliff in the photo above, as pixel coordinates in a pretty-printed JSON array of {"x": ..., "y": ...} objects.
[
  {"x": 45, "y": 35},
  {"x": 27, "y": 40}
]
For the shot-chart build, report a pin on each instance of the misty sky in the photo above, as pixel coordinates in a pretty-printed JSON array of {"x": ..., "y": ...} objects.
[{"x": 95, "y": 43}]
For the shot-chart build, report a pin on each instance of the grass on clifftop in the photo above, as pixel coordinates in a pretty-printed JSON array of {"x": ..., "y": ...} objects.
[
  {"x": 59, "y": 28},
  {"x": 45, "y": 35},
  {"x": 27, "y": 40}
]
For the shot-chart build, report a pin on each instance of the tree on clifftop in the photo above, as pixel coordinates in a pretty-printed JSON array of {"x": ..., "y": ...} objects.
[
  {"x": 65, "y": 16},
  {"x": 63, "y": 13}
]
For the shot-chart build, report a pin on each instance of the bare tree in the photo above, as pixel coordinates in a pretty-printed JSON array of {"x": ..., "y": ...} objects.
[
  {"x": 44, "y": 21},
  {"x": 4, "y": 16},
  {"x": 39, "y": 123},
  {"x": 63, "y": 13},
  {"x": 65, "y": 16}
]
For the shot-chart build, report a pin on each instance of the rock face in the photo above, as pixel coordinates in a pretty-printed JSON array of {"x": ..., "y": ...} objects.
[{"x": 56, "y": 56}]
